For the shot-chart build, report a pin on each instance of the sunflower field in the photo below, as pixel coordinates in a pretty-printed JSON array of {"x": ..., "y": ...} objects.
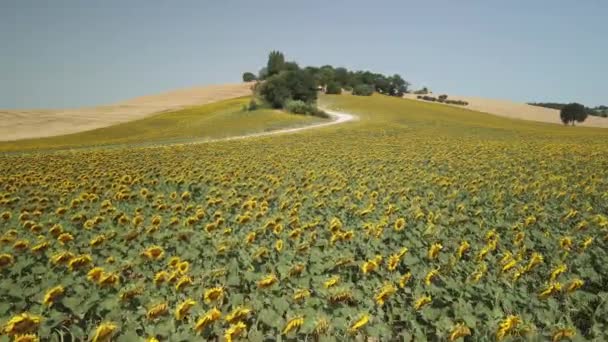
[{"x": 416, "y": 222}]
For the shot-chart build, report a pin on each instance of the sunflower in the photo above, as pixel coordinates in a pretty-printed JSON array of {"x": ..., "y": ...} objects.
[
  {"x": 52, "y": 295},
  {"x": 23, "y": 323},
  {"x": 430, "y": 276},
  {"x": 213, "y": 294},
  {"x": 277, "y": 229},
  {"x": 507, "y": 327},
  {"x": 108, "y": 279},
  {"x": 574, "y": 285},
  {"x": 278, "y": 245},
  {"x": 174, "y": 261},
  {"x": 557, "y": 271},
  {"x": 6, "y": 215},
  {"x": 562, "y": 334},
  {"x": 369, "y": 266},
  {"x": 104, "y": 332},
  {"x": 342, "y": 296},
  {"x": 535, "y": 260},
  {"x": 301, "y": 295},
  {"x": 333, "y": 281},
  {"x": 61, "y": 257},
  {"x": 183, "y": 282},
  {"x": 157, "y": 311},
  {"x": 153, "y": 253},
  {"x": 434, "y": 251},
  {"x": 235, "y": 331},
  {"x": 157, "y": 220},
  {"x": 293, "y": 324},
  {"x": 183, "y": 267},
  {"x": 27, "y": 338},
  {"x": 586, "y": 243},
  {"x": 250, "y": 238},
  {"x": 565, "y": 243},
  {"x": 399, "y": 224},
  {"x": 161, "y": 277},
  {"x": 21, "y": 245},
  {"x": 208, "y": 318},
  {"x": 463, "y": 249},
  {"x": 321, "y": 326},
  {"x": 183, "y": 309},
  {"x": 392, "y": 262},
  {"x": 238, "y": 314},
  {"x": 80, "y": 261},
  {"x": 359, "y": 323},
  {"x": 65, "y": 238},
  {"x": 460, "y": 330},
  {"x": 385, "y": 292},
  {"x": 129, "y": 294},
  {"x": 335, "y": 225},
  {"x": 6, "y": 260},
  {"x": 510, "y": 265},
  {"x": 296, "y": 270},
  {"x": 404, "y": 279},
  {"x": 267, "y": 281},
  {"x": 422, "y": 302},
  {"x": 98, "y": 240}
]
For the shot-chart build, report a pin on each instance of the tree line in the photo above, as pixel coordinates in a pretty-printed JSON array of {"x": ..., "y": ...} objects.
[
  {"x": 594, "y": 111},
  {"x": 284, "y": 84}
]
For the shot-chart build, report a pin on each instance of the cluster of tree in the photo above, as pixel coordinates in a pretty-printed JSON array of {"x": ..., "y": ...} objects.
[
  {"x": 573, "y": 112},
  {"x": 422, "y": 91},
  {"x": 282, "y": 82},
  {"x": 596, "y": 111},
  {"x": 442, "y": 99}
]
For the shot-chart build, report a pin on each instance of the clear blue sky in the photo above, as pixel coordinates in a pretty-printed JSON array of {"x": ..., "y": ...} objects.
[{"x": 64, "y": 53}]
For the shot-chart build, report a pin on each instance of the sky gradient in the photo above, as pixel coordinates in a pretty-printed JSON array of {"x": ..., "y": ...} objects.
[{"x": 62, "y": 53}]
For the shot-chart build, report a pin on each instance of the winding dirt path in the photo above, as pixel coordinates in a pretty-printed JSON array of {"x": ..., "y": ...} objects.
[{"x": 337, "y": 118}]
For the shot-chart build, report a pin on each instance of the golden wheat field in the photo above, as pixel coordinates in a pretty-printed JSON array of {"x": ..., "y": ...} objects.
[{"x": 416, "y": 222}]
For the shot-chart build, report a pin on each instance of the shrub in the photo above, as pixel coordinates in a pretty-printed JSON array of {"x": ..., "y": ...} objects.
[
  {"x": 442, "y": 98},
  {"x": 301, "y": 107},
  {"x": 458, "y": 102},
  {"x": 422, "y": 91},
  {"x": 252, "y": 105},
  {"x": 298, "y": 107},
  {"x": 249, "y": 77},
  {"x": 333, "y": 88},
  {"x": 275, "y": 91},
  {"x": 363, "y": 90}
]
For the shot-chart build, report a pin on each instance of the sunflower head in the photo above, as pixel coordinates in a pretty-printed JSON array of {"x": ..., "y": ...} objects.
[{"x": 104, "y": 332}]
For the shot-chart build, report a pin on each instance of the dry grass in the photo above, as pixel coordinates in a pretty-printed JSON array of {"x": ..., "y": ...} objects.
[
  {"x": 516, "y": 110},
  {"x": 37, "y": 123},
  {"x": 212, "y": 121}
]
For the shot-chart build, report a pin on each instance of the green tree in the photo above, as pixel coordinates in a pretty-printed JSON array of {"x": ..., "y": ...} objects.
[
  {"x": 363, "y": 90},
  {"x": 276, "y": 63},
  {"x": 573, "y": 112},
  {"x": 326, "y": 75},
  {"x": 274, "y": 91},
  {"x": 291, "y": 66},
  {"x": 301, "y": 85},
  {"x": 341, "y": 76},
  {"x": 289, "y": 85},
  {"x": 333, "y": 88},
  {"x": 263, "y": 73},
  {"x": 398, "y": 85},
  {"x": 249, "y": 77}
]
